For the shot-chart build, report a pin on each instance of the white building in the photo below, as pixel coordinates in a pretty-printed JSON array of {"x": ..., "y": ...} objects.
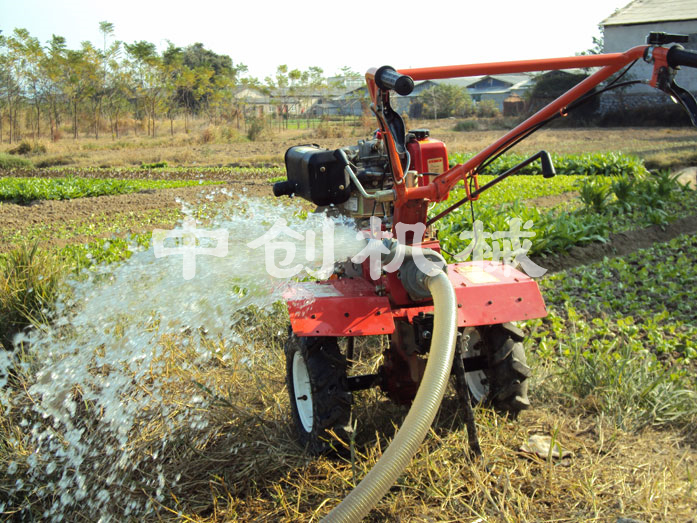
[{"x": 629, "y": 26}]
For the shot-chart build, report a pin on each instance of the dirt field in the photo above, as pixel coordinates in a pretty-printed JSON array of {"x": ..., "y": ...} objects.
[{"x": 250, "y": 468}]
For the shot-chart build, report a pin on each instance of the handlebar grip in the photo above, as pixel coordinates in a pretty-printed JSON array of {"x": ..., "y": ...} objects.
[
  {"x": 387, "y": 77},
  {"x": 677, "y": 56}
]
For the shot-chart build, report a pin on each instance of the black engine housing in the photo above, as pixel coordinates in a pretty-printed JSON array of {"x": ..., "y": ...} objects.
[{"x": 314, "y": 174}]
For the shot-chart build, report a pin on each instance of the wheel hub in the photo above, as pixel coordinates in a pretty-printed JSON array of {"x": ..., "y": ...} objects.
[{"x": 303, "y": 392}]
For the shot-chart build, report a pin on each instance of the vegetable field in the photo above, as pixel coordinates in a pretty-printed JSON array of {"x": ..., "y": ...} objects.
[{"x": 122, "y": 397}]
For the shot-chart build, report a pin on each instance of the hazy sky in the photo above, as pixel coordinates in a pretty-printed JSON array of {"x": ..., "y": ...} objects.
[{"x": 263, "y": 34}]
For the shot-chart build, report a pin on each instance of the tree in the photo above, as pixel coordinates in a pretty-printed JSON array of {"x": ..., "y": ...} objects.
[
  {"x": 116, "y": 90},
  {"x": 31, "y": 77},
  {"x": 598, "y": 43},
  {"x": 11, "y": 70},
  {"x": 220, "y": 71},
  {"x": 445, "y": 100},
  {"x": 549, "y": 86},
  {"x": 107, "y": 29},
  {"x": 52, "y": 68},
  {"x": 92, "y": 72},
  {"x": 147, "y": 87}
]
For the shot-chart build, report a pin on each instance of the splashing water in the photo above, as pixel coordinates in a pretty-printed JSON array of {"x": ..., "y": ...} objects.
[{"x": 101, "y": 371}]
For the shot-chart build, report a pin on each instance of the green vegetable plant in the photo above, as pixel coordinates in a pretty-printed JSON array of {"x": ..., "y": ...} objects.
[
  {"x": 24, "y": 190},
  {"x": 594, "y": 194}
]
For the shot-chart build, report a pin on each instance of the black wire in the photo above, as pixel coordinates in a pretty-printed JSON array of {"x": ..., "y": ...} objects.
[
  {"x": 623, "y": 73},
  {"x": 474, "y": 229},
  {"x": 527, "y": 132},
  {"x": 516, "y": 139}
]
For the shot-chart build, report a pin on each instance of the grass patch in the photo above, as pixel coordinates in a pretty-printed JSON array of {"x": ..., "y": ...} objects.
[
  {"x": 8, "y": 161},
  {"x": 29, "y": 284},
  {"x": 25, "y": 190}
]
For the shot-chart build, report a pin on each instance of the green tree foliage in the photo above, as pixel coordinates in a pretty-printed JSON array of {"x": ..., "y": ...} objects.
[
  {"x": 51, "y": 84},
  {"x": 550, "y": 86},
  {"x": 487, "y": 109},
  {"x": 445, "y": 100},
  {"x": 203, "y": 73}
]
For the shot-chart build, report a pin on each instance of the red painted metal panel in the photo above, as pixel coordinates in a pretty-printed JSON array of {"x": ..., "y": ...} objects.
[
  {"x": 344, "y": 307},
  {"x": 487, "y": 293}
]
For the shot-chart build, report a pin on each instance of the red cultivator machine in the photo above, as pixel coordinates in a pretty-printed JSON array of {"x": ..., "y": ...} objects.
[{"x": 442, "y": 320}]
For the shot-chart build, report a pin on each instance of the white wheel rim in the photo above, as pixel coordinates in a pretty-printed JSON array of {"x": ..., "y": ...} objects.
[
  {"x": 303, "y": 391},
  {"x": 477, "y": 382}
]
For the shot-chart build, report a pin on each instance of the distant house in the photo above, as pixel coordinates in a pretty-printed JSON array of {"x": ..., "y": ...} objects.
[
  {"x": 350, "y": 103},
  {"x": 499, "y": 87},
  {"x": 356, "y": 101},
  {"x": 628, "y": 27},
  {"x": 348, "y": 96},
  {"x": 252, "y": 101}
]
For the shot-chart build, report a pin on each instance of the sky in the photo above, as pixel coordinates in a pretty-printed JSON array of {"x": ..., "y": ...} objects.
[{"x": 263, "y": 34}]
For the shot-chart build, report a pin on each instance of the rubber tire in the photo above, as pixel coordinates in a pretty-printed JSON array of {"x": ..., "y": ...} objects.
[
  {"x": 331, "y": 399},
  {"x": 508, "y": 370}
]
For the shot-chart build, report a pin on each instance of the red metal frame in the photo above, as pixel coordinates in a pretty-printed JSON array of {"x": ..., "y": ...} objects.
[
  {"x": 441, "y": 185},
  {"x": 487, "y": 293}
]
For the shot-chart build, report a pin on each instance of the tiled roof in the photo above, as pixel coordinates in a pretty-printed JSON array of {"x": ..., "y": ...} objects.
[{"x": 646, "y": 11}]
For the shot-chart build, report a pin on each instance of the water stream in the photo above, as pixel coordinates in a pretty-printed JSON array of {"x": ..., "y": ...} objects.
[{"x": 99, "y": 373}]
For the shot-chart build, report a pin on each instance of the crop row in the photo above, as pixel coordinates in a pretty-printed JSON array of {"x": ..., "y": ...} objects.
[
  {"x": 604, "y": 164},
  {"x": 521, "y": 188},
  {"x": 603, "y": 207},
  {"x": 620, "y": 337},
  {"x": 24, "y": 190},
  {"x": 147, "y": 172}
]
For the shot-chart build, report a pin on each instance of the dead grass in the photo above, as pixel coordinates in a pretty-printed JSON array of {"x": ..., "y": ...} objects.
[
  {"x": 208, "y": 145},
  {"x": 239, "y": 461},
  {"x": 30, "y": 281}
]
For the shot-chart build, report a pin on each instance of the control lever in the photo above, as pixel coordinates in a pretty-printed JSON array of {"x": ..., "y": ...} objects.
[{"x": 667, "y": 84}]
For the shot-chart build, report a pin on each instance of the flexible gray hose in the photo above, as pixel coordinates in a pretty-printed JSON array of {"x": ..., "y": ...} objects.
[{"x": 426, "y": 403}]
